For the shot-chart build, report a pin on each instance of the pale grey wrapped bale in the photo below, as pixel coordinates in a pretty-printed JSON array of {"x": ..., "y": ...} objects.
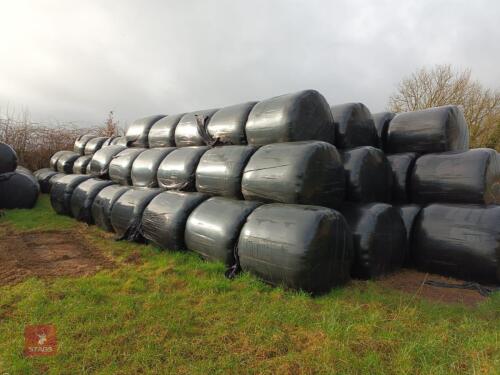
[
  {"x": 177, "y": 171},
  {"x": 382, "y": 121},
  {"x": 80, "y": 165},
  {"x": 146, "y": 165},
  {"x": 120, "y": 141},
  {"x": 103, "y": 204},
  {"x": 227, "y": 125},
  {"x": 66, "y": 161},
  {"x": 94, "y": 145},
  {"x": 162, "y": 133},
  {"x": 354, "y": 126},
  {"x": 402, "y": 167},
  {"x": 137, "y": 132},
  {"x": 192, "y": 132},
  {"x": 62, "y": 190},
  {"x": 81, "y": 142},
  {"x": 99, "y": 165},
  {"x": 120, "y": 168},
  {"x": 8, "y": 158},
  {"x": 54, "y": 158},
  {"x": 83, "y": 197}
]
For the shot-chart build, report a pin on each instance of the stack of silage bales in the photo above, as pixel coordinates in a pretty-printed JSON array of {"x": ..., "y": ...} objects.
[{"x": 294, "y": 191}]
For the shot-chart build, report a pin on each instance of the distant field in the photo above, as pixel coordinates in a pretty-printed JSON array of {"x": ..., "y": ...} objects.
[{"x": 128, "y": 308}]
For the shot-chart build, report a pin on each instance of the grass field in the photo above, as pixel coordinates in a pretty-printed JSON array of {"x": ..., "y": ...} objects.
[{"x": 174, "y": 313}]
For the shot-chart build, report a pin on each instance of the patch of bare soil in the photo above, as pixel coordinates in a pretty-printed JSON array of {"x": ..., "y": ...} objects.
[{"x": 47, "y": 254}]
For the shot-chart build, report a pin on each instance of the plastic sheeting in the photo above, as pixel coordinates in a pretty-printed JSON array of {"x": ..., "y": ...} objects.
[
  {"x": 178, "y": 170},
  {"x": 213, "y": 228},
  {"x": 457, "y": 177},
  {"x": 402, "y": 167},
  {"x": 8, "y": 158},
  {"x": 18, "y": 189},
  {"x": 437, "y": 129},
  {"x": 227, "y": 125},
  {"x": 103, "y": 203},
  {"x": 81, "y": 142},
  {"x": 80, "y": 165},
  {"x": 66, "y": 161},
  {"x": 83, "y": 196},
  {"x": 146, "y": 165},
  {"x": 308, "y": 172},
  {"x": 381, "y": 121},
  {"x": 137, "y": 132},
  {"x": 354, "y": 126},
  {"x": 43, "y": 176},
  {"x": 62, "y": 190},
  {"x": 301, "y": 116},
  {"x": 409, "y": 213},
  {"x": 120, "y": 168},
  {"x": 99, "y": 165},
  {"x": 54, "y": 158},
  {"x": 369, "y": 175},
  {"x": 109, "y": 141},
  {"x": 94, "y": 144},
  {"x": 458, "y": 240},
  {"x": 120, "y": 141},
  {"x": 301, "y": 247},
  {"x": 164, "y": 219},
  {"x": 220, "y": 170},
  {"x": 188, "y": 131},
  {"x": 162, "y": 133},
  {"x": 379, "y": 238}
]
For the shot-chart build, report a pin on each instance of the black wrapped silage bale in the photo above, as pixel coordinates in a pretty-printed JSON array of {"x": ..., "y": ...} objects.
[
  {"x": 18, "y": 189},
  {"x": 381, "y": 121},
  {"x": 93, "y": 145},
  {"x": 300, "y": 116},
  {"x": 54, "y": 158},
  {"x": 379, "y": 238},
  {"x": 430, "y": 130},
  {"x": 120, "y": 168},
  {"x": 54, "y": 178},
  {"x": 66, "y": 161},
  {"x": 177, "y": 171},
  {"x": 220, "y": 170},
  {"x": 81, "y": 142},
  {"x": 457, "y": 177},
  {"x": 188, "y": 131},
  {"x": 103, "y": 204},
  {"x": 83, "y": 197},
  {"x": 99, "y": 164},
  {"x": 120, "y": 141},
  {"x": 80, "y": 165},
  {"x": 162, "y": 133},
  {"x": 354, "y": 126},
  {"x": 308, "y": 172},
  {"x": 41, "y": 171},
  {"x": 213, "y": 228},
  {"x": 137, "y": 132},
  {"x": 461, "y": 241},
  {"x": 402, "y": 167},
  {"x": 62, "y": 190},
  {"x": 164, "y": 219},
  {"x": 146, "y": 164},
  {"x": 298, "y": 246},
  {"x": 8, "y": 158},
  {"x": 227, "y": 125},
  {"x": 409, "y": 213},
  {"x": 43, "y": 177}
]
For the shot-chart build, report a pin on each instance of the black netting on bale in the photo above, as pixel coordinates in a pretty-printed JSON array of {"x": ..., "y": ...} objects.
[
  {"x": 301, "y": 247},
  {"x": 437, "y": 129},
  {"x": 83, "y": 196},
  {"x": 227, "y": 125},
  {"x": 368, "y": 174},
  {"x": 457, "y": 177},
  {"x": 103, "y": 204},
  {"x": 8, "y": 158},
  {"x": 301, "y": 116},
  {"x": 381, "y": 121},
  {"x": 213, "y": 228},
  {"x": 137, "y": 132},
  {"x": 402, "y": 167},
  {"x": 126, "y": 213},
  {"x": 62, "y": 190},
  {"x": 188, "y": 131},
  {"x": 409, "y": 213},
  {"x": 43, "y": 177},
  {"x": 220, "y": 170},
  {"x": 162, "y": 133},
  {"x": 379, "y": 238},
  {"x": 354, "y": 126},
  {"x": 81, "y": 142},
  {"x": 54, "y": 158},
  {"x": 458, "y": 240},
  {"x": 80, "y": 165},
  {"x": 120, "y": 141},
  {"x": 18, "y": 189},
  {"x": 66, "y": 161},
  {"x": 94, "y": 145},
  {"x": 120, "y": 168},
  {"x": 164, "y": 219},
  {"x": 178, "y": 170},
  {"x": 146, "y": 166},
  {"x": 308, "y": 172},
  {"x": 99, "y": 165}
]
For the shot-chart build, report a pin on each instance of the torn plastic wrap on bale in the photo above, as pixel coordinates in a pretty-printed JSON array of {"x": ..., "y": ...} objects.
[
  {"x": 146, "y": 164},
  {"x": 354, "y": 126},
  {"x": 137, "y": 133},
  {"x": 162, "y": 133},
  {"x": 94, "y": 145},
  {"x": 227, "y": 125},
  {"x": 300, "y": 247},
  {"x": 99, "y": 165},
  {"x": 103, "y": 204},
  {"x": 381, "y": 121},
  {"x": 80, "y": 165},
  {"x": 66, "y": 161},
  {"x": 8, "y": 158},
  {"x": 81, "y": 142},
  {"x": 461, "y": 241},
  {"x": 177, "y": 171},
  {"x": 62, "y": 190},
  {"x": 120, "y": 168},
  {"x": 83, "y": 196},
  {"x": 18, "y": 189},
  {"x": 402, "y": 167},
  {"x": 308, "y": 172},
  {"x": 188, "y": 132}
]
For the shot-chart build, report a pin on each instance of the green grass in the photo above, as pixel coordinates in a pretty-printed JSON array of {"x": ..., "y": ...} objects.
[{"x": 174, "y": 313}]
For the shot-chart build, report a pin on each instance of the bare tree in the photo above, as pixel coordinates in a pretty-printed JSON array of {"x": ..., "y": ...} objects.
[{"x": 443, "y": 85}]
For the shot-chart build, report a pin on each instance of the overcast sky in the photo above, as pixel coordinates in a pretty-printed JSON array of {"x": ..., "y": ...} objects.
[{"x": 76, "y": 60}]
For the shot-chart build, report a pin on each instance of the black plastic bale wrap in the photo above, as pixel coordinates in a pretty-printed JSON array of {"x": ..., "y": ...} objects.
[
  {"x": 42, "y": 170},
  {"x": 213, "y": 228},
  {"x": 43, "y": 178},
  {"x": 354, "y": 126},
  {"x": 81, "y": 142},
  {"x": 308, "y": 172},
  {"x": 220, "y": 170},
  {"x": 66, "y": 161},
  {"x": 301, "y": 116},
  {"x": 62, "y": 190},
  {"x": 227, "y": 125},
  {"x": 18, "y": 189},
  {"x": 8, "y": 158},
  {"x": 437, "y": 129},
  {"x": 457, "y": 177},
  {"x": 137, "y": 132},
  {"x": 188, "y": 131},
  {"x": 162, "y": 133},
  {"x": 120, "y": 141},
  {"x": 368, "y": 174},
  {"x": 379, "y": 238},
  {"x": 178, "y": 170},
  {"x": 120, "y": 168},
  {"x": 54, "y": 158},
  {"x": 80, "y": 165},
  {"x": 164, "y": 219},
  {"x": 83, "y": 196},
  {"x": 301, "y": 247},
  {"x": 146, "y": 166},
  {"x": 99, "y": 165},
  {"x": 103, "y": 204},
  {"x": 409, "y": 213},
  {"x": 54, "y": 178},
  {"x": 402, "y": 167},
  {"x": 382, "y": 121},
  {"x": 462, "y": 241},
  {"x": 94, "y": 144},
  {"x": 126, "y": 213}
]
